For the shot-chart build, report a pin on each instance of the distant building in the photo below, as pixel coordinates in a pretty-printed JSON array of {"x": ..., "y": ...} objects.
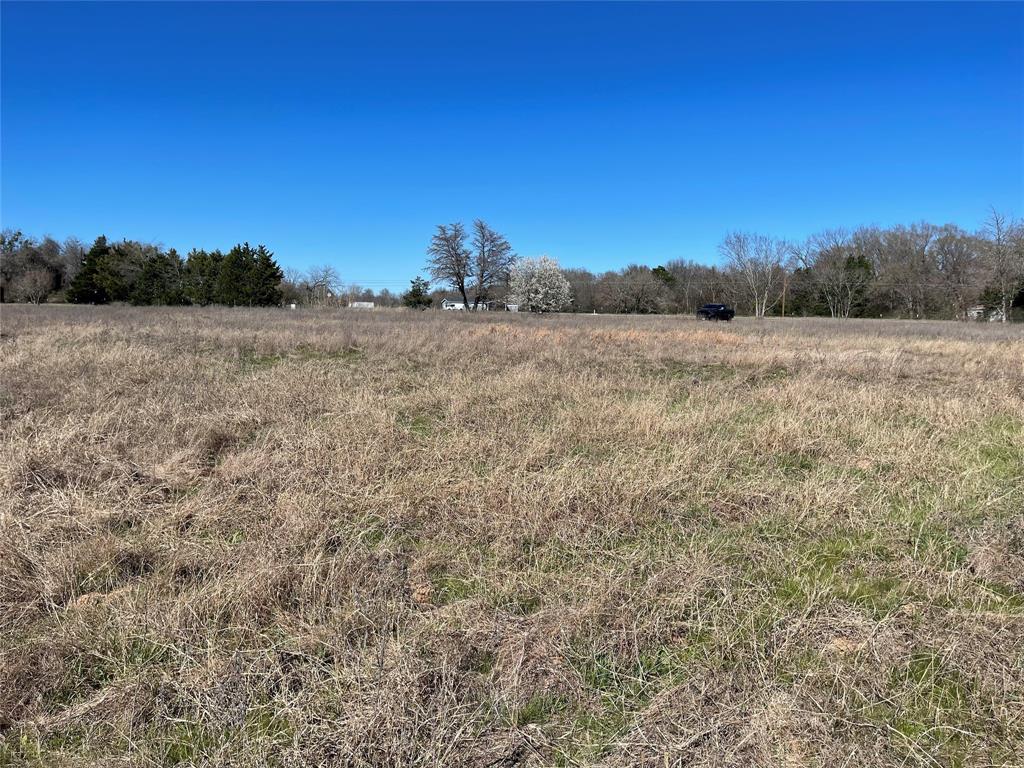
[
  {"x": 457, "y": 305},
  {"x": 361, "y": 305},
  {"x": 981, "y": 313}
]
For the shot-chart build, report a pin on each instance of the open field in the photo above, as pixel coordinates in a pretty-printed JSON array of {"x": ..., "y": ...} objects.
[{"x": 253, "y": 537}]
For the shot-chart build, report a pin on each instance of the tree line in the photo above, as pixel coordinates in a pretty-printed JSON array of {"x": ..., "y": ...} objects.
[
  {"x": 916, "y": 271},
  {"x": 136, "y": 273},
  {"x": 912, "y": 271}
]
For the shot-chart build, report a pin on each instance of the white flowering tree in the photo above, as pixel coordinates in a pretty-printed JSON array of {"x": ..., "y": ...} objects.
[{"x": 538, "y": 285}]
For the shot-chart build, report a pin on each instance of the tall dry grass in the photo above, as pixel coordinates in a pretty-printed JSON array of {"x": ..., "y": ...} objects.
[{"x": 243, "y": 538}]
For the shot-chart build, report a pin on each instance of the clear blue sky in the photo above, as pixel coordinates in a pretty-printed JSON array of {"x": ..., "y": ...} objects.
[{"x": 600, "y": 134}]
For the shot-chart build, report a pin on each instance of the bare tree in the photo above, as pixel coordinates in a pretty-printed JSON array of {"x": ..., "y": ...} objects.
[
  {"x": 33, "y": 286},
  {"x": 29, "y": 269},
  {"x": 1005, "y": 255},
  {"x": 840, "y": 274},
  {"x": 450, "y": 260},
  {"x": 324, "y": 284},
  {"x": 694, "y": 284},
  {"x": 294, "y": 288},
  {"x": 354, "y": 292},
  {"x": 906, "y": 268},
  {"x": 71, "y": 254},
  {"x": 493, "y": 258},
  {"x": 635, "y": 290},
  {"x": 385, "y": 298},
  {"x": 758, "y": 260},
  {"x": 583, "y": 285},
  {"x": 957, "y": 259}
]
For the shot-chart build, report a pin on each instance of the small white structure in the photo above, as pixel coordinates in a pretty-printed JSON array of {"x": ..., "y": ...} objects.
[
  {"x": 361, "y": 305},
  {"x": 493, "y": 305},
  {"x": 981, "y": 313}
]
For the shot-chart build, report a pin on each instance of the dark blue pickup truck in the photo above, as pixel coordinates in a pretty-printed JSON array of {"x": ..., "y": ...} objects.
[{"x": 716, "y": 312}]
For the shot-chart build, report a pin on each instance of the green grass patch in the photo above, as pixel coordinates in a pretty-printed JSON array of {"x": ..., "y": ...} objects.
[
  {"x": 184, "y": 743},
  {"x": 624, "y": 688},
  {"x": 348, "y": 354},
  {"x": 850, "y": 568},
  {"x": 697, "y": 372},
  {"x": 594, "y": 733},
  {"x": 768, "y": 375},
  {"x": 630, "y": 683},
  {"x": 539, "y": 710},
  {"x": 933, "y": 544},
  {"x": 450, "y": 588},
  {"x": 420, "y": 423},
  {"x": 20, "y": 750},
  {"x": 483, "y": 662},
  {"x": 930, "y": 706},
  {"x": 267, "y": 724},
  {"x": 118, "y": 656},
  {"x": 880, "y": 595},
  {"x": 520, "y": 603},
  {"x": 998, "y": 447},
  {"x": 251, "y": 361},
  {"x": 795, "y": 462}
]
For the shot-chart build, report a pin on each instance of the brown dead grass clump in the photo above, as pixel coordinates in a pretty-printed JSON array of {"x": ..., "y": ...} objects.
[{"x": 256, "y": 537}]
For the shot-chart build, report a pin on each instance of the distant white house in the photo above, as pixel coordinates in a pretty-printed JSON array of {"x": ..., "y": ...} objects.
[
  {"x": 484, "y": 306},
  {"x": 459, "y": 306},
  {"x": 982, "y": 313},
  {"x": 361, "y": 305}
]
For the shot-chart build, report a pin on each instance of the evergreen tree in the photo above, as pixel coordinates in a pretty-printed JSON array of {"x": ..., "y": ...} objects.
[
  {"x": 664, "y": 276},
  {"x": 161, "y": 280},
  {"x": 118, "y": 272},
  {"x": 417, "y": 297},
  {"x": 266, "y": 279},
  {"x": 249, "y": 277},
  {"x": 233, "y": 286},
  {"x": 86, "y": 288},
  {"x": 804, "y": 294},
  {"x": 202, "y": 270}
]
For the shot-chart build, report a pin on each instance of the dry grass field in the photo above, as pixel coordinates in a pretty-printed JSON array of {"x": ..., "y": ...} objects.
[{"x": 389, "y": 539}]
